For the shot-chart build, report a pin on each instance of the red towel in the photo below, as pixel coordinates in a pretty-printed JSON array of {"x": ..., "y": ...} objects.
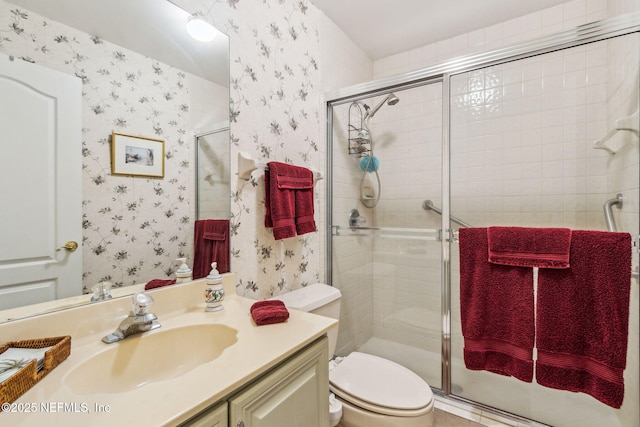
[
  {"x": 158, "y": 283},
  {"x": 288, "y": 200},
  {"x": 583, "y": 315},
  {"x": 269, "y": 312},
  {"x": 497, "y": 310},
  {"x": 266, "y": 303},
  {"x": 211, "y": 243},
  {"x": 529, "y": 247}
]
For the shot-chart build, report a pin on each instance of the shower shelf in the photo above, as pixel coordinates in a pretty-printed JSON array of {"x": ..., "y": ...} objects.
[
  {"x": 359, "y": 135},
  {"x": 389, "y": 232},
  {"x": 629, "y": 123}
]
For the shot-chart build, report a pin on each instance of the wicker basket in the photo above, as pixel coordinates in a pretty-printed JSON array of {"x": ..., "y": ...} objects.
[{"x": 16, "y": 385}]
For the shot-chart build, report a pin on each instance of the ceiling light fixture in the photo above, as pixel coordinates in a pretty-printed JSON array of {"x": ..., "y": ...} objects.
[{"x": 200, "y": 29}]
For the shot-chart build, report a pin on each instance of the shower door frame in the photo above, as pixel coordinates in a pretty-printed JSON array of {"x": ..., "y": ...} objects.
[{"x": 593, "y": 32}]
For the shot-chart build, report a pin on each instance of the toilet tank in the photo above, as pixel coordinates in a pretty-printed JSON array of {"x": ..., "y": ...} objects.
[{"x": 317, "y": 299}]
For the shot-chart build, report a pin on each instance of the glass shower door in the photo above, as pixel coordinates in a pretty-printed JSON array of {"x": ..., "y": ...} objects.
[
  {"x": 522, "y": 154},
  {"x": 213, "y": 199},
  {"x": 386, "y": 252}
]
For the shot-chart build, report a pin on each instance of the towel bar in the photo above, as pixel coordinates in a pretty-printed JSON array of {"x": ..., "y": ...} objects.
[{"x": 246, "y": 165}]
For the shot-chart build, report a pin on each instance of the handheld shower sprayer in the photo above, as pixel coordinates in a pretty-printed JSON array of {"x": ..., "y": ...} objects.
[
  {"x": 390, "y": 99},
  {"x": 361, "y": 144}
]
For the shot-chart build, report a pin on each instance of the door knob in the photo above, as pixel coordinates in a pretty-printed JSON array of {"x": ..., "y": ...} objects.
[{"x": 70, "y": 246}]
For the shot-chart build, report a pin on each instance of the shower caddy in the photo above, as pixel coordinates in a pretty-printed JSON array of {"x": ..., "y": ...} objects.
[{"x": 359, "y": 140}]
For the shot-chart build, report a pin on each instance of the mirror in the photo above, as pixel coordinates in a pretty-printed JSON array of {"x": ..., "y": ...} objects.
[
  {"x": 141, "y": 75},
  {"x": 213, "y": 172}
]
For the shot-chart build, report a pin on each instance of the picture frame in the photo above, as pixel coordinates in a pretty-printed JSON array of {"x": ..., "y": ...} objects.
[{"x": 137, "y": 155}]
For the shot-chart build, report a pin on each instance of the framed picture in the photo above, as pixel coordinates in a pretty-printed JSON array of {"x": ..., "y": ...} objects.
[{"x": 137, "y": 155}]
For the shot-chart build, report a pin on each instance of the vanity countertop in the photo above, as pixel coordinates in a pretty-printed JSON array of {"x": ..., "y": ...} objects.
[{"x": 165, "y": 402}]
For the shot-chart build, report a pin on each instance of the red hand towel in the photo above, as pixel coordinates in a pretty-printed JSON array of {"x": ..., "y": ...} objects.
[
  {"x": 583, "y": 316},
  {"x": 269, "y": 312},
  {"x": 266, "y": 303},
  {"x": 211, "y": 243},
  {"x": 158, "y": 283},
  {"x": 529, "y": 247},
  {"x": 288, "y": 200},
  {"x": 496, "y": 304}
]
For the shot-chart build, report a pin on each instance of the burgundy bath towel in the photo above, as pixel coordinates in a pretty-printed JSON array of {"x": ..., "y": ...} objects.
[
  {"x": 529, "y": 247},
  {"x": 583, "y": 316},
  {"x": 269, "y": 312},
  {"x": 211, "y": 243},
  {"x": 288, "y": 200},
  {"x": 497, "y": 310}
]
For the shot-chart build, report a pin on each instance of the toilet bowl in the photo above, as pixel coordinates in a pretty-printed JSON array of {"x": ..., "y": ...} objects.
[
  {"x": 374, "y": 392},
  {"x": 335, "y": 410}
]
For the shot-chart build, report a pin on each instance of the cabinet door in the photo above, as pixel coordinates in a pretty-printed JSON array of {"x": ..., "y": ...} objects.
[
  {"x": 214, "y": 417},
  {"x": 294, "y": 394}
]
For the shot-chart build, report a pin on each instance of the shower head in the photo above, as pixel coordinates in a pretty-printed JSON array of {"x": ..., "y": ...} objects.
[{"x": 390, "y": 99}]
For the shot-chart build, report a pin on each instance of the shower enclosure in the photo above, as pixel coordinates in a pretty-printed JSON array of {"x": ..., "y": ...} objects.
[
  {"x": 212, "y": 160},
  {"x": 543, "y": 134}
]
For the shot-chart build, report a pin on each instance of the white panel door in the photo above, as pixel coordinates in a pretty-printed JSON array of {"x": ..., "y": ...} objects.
[{"x": 40, "y": 183}]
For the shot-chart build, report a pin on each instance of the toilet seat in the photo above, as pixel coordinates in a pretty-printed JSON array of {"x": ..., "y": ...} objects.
[{"x": 380, "y": 385}]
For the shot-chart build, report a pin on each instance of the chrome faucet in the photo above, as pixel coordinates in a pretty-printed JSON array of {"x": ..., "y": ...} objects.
[{"x": 139, "y": 319}]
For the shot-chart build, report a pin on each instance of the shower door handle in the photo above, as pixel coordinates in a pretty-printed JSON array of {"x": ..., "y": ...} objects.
[{"x": 448, "y": 234}]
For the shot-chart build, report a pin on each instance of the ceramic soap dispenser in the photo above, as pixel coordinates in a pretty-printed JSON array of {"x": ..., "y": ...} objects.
[
  {"x": 184, "y": 273},
  {"x": 214, "y": 293}
]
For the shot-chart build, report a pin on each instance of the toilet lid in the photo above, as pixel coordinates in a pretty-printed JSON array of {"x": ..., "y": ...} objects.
[{"x": 380, "y": 382}]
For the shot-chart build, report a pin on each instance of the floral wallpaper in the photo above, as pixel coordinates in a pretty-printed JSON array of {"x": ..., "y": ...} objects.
[
  {"x": 274, "y": 116},
  {"x": 133, "y": 227}
]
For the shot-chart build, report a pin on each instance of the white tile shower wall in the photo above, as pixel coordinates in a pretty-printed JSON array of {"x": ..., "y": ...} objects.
[
  {"x": 352, "y": 256},
  {"x": 520, "y": 142},
  {"x": 622, "y": 177},
  {"x": 396, "y": 289},
  {"x": 622, "y": 94},
  {"x": 353, "y": 276},
  {"x": 214, "y": 176},
  {"x": 407, "y": 273},
  {"x": 548, "y": 21},
  {"x": 536, "y": 163},
  {"x": 617, "y": 7},
  {"x": 477, "y": 105},
  {"x": 532, "y": 162}
]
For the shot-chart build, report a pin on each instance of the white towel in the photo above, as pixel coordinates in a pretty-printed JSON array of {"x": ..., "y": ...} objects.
[{"x": 15, "y": 358}]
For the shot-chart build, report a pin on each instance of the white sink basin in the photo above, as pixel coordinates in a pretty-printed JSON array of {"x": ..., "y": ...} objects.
[{"x": 148, "y": 357}]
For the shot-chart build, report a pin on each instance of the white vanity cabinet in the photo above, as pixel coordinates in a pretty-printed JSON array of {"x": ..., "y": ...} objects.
[
  {"x": 217, "y": 416},
  {"x": 295, "y": 393}
]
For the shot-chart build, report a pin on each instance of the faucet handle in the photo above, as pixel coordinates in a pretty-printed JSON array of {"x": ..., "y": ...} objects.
[{"x": 140, "y": 303}]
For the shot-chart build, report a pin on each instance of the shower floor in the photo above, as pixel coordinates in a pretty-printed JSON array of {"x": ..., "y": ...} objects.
[{"x": 505, "y": 393}]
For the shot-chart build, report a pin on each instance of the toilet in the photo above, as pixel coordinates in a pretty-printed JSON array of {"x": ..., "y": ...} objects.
[{"x": 374, "y": 392}]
